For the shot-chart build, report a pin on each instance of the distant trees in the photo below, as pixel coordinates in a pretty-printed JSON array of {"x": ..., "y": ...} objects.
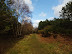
[
  {"x": 60, "y": 26},
  {"x": 27, "y": 28},
  {"x": 42, "y": 24},
  {"x": 35, "y": 30}
]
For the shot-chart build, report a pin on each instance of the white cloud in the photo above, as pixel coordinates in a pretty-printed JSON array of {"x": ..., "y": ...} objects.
[
  {"x": 58, "y": 8},
  {"x": 27, "y": 18},
  {"x": 51, "y": 18},
  {"x": 29, "y": 3},
  {"x": 36, "y": 22},
  {"x": 42, "y": 14}
]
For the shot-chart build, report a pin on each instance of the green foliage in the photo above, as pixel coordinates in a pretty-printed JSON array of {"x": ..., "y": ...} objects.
[
  {"x": 6, "y": 18},
  {"x": 42, "y": 24},
  {"x": 61, "y": 26},
  {"x": 45, "y": 31},
  {"x": 66, "y": 11}
]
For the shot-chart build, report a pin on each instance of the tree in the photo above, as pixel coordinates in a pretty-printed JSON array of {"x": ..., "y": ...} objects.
[
  {"x": 22, "y": 11},
  {"x": 42, "y": 24},
  {"x": 8, "y": 22},
  {"x": 61, "y": 26},
  {"x": 5, "y": 18},
  {"x": 66, "y": 11},
  {"x": 27, "y": 28}
]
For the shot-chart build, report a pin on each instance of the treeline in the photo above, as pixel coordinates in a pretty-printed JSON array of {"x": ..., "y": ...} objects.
[
  {"x": 62, "y": 25},
  {"x": 9, "y": 21}
]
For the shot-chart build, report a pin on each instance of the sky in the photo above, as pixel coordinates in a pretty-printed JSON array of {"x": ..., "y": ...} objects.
[{"x": 43, "y": 9}]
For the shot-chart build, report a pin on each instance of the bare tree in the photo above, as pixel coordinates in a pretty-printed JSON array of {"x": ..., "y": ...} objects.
[{"x": 21, "y": 11}]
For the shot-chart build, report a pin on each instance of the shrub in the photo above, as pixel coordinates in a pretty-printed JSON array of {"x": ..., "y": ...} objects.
[
  {"x": 46, "y": 32},
  {"x": 55, "y": 36},
  {"x": 40, "y": 31}
]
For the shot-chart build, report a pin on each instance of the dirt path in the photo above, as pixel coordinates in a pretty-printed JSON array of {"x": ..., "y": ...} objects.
[
  {"x": 29, "y": 45},
  {"x": 32, "y": 45}
]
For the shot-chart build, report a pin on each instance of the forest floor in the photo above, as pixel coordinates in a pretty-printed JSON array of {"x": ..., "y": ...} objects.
[{"x": 36, "y": 44}]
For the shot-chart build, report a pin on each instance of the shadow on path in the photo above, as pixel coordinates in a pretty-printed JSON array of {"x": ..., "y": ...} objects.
[{"x": 7, "y": 43}]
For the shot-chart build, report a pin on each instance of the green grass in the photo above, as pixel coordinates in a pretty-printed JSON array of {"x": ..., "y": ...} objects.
[{"x": 32, "y": 45}]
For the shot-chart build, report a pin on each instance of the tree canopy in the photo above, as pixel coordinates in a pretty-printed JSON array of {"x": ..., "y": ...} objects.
[{"x": 66, "y": 11}]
